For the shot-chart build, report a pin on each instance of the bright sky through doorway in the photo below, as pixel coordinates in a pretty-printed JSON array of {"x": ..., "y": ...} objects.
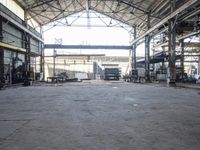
[
  {"x": 92, "y": 36},
  {"x": 76, "y": 35}
]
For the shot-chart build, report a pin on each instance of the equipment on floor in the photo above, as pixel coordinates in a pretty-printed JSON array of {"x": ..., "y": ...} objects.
[
  {"x": 112, "y": 74},
  {"x": 18, "y": 71}
]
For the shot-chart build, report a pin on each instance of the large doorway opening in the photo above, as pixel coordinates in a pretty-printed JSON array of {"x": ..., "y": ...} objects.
[{"x": 85, "y": 44}]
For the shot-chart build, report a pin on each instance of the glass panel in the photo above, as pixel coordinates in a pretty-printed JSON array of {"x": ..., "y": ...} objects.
[
  {"x": 21, "y": 57},
  {"x": 7, "y": 60}
]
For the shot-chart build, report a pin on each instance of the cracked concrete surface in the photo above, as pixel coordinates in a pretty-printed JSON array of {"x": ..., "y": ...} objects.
[{"x": 99, "y": 116}]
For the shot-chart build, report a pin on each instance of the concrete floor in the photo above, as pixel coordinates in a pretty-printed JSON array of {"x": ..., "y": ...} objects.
[{"x": 99, "y": 116}]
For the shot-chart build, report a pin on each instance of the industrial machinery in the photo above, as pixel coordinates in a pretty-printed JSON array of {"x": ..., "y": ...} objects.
[
  {"x": 18, "y": 70},
  {"x": 112, "y": 73}
]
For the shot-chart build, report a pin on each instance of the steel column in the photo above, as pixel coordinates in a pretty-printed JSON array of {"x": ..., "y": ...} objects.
[
  {"x": 1, "y": 66},
  {"x": 28, "y": 49},
  {"x": 199, "y": 66},
  {"x": 54, "y": 62},
  {"x": 163, "y": 62},
  {"x": 147, "y": 52},
  {"x": 134, "y": 51},
  {"x": 41, "y": 53},
  {"x": 199, "y": 60},
  {"x": 1, "y": 55},
  {"x": 1, "y": 28},
  {"x": 42, "y": 61},
  {"x": 42, "y": 70},
  {"x": 27, "y": 55},
  {"x": 172, "y": 47},
  {"x": 182, "y": 58}
]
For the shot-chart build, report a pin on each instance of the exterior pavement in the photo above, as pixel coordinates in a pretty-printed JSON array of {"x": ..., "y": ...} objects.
[{"x": 99, "y": 116}]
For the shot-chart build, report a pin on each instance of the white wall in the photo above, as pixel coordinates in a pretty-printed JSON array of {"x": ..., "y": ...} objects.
[{"x": 14, "y": 7}]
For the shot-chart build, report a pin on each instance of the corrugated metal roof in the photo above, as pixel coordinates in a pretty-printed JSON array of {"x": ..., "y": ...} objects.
[{"x": 130, "y": 12}]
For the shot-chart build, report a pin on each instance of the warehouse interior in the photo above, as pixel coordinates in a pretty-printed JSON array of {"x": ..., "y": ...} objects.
[
  {"x": 169, "y": 31},
  {"x": 92, "y": 100}
]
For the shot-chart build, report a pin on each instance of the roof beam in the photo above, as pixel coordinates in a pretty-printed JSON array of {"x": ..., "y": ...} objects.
[
  {"x": 38, "y": 4},
  {"x": 77, "y": 55},
  {"x": 180, "y": 9},
  {"x": 132, "y": 5},
  {"x": 140, "y": 9},
  {"x": 57, "y": 46}
]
